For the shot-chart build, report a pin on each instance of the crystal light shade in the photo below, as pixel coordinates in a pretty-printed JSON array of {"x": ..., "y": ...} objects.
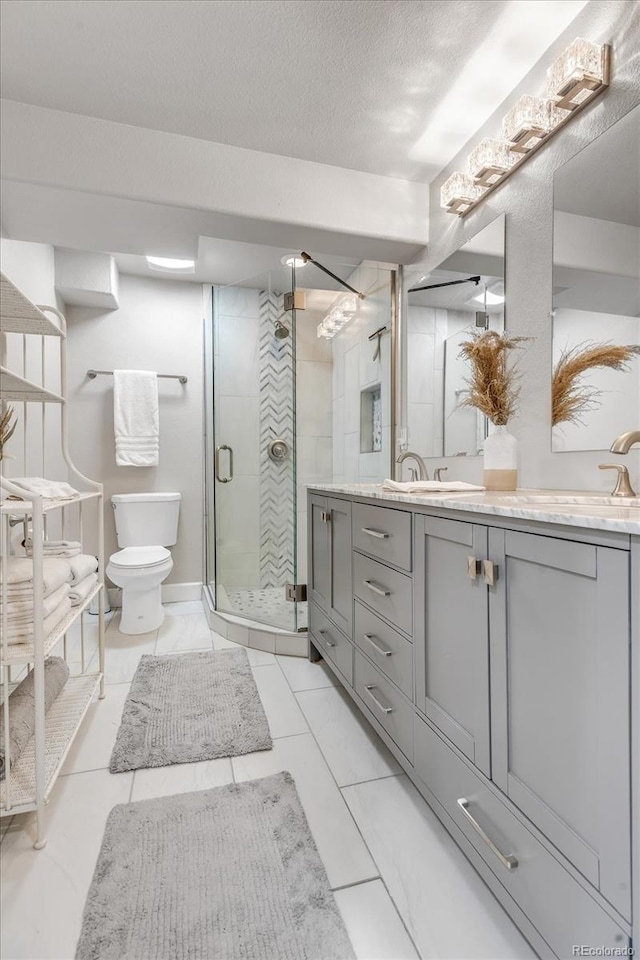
[
  {"x": 489, "y": 161},
  {"x": 529, "y": 121},
  {"x": 578, "y": 74},
  {"x": 459, "y": 192},
  {"x": 338, "y": 317}
]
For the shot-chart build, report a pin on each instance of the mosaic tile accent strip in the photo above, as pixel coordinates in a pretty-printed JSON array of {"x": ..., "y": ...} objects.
[{"x": 276, "y": 422}]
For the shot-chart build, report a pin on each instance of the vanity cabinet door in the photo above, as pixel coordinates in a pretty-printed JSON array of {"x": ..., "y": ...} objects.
[
  {"x": 560, "y": 647},
  {"x": 319, "y": 571},
  {"x": 329, "y": 566},
  {"x": 451, "y": 641}
]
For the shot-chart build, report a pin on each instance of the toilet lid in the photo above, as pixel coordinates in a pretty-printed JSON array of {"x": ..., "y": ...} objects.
[{"x": 140, "y": 557}]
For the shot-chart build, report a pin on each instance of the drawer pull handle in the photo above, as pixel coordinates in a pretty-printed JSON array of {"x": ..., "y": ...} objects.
[
  {"x": 323, "y": 634},
  {"x": 376, "y": 589},
  {"x": 370, "y": 687},
  {"x": 474, "y": 567},
  {"x": 506, "y": 859},
  {"x": 490, "y": 572},
  {"x": 375, "y": 643},
  {"x": 375, "y": 533}
]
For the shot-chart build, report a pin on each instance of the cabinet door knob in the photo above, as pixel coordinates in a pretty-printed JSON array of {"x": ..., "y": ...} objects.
[
  {"x": 325, "y": 516},
  {"x": 490, "y": 572},
  {"x": 473, "y": 568}
]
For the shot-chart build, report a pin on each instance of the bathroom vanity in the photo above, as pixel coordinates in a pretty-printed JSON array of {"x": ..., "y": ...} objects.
[{"x": 494, "y": 644}]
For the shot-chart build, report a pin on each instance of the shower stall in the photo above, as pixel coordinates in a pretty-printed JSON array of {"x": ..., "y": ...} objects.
[{"x": 270, "y": 425}]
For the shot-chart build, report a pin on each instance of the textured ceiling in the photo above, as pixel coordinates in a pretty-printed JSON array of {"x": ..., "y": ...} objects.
[{"x": 353, "y": 83}]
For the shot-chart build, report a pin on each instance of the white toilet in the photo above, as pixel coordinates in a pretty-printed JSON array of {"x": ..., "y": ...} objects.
[{"x": 146, "y": 523}]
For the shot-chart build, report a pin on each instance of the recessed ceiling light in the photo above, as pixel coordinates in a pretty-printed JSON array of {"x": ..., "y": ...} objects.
[
  {"x": 171, "y": 263},
  {"x": 290, "y": 260}
]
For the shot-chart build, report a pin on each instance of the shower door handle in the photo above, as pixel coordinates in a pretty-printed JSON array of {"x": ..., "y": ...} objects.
[{"x": 219, "y": 449}]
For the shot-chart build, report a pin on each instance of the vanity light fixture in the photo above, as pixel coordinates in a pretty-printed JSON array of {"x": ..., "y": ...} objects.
[
  {"x": 171, "y": 263},
  {"x": 574, "y": 79},
  {"x": 338, "y": 317}
]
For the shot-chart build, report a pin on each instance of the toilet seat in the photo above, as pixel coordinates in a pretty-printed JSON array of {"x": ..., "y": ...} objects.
[{"x": 136, "y": 557}]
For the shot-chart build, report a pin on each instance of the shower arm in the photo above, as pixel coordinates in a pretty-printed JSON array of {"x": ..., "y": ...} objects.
[{"x": 308, "y": 259}]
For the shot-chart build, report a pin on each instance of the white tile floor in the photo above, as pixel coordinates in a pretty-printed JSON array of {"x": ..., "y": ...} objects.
[{"x": 402, "y": 886}]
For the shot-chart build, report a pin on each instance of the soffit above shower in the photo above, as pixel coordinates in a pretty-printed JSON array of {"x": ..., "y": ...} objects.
[{"x": 393, "y": 88}]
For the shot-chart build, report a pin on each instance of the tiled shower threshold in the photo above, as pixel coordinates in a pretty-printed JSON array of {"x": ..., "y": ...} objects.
[{"x": 256, "y": 635}]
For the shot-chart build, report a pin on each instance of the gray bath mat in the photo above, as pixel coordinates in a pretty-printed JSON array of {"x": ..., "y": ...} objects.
[
  {"x": 187, "y": 707},
  {"x": 225, "y": 874}
]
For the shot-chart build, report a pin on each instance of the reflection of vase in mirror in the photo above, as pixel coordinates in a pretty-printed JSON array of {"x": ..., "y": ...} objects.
[
  {"x": 438, "y": 319},
  {"x": 596, "y": 278}
]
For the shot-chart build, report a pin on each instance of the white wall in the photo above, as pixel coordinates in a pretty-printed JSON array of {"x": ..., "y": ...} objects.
[
  {"x": 527, "y": 200},
  {"x": 158, "y": 326}
]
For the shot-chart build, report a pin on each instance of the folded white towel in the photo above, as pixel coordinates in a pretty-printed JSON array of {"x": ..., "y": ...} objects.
[
  {"x": 55, "y": 572},
  {"x": 78, "y": 592},
  {"x": 23, "y": 633},
  {"x": 51, "y": 489},
  {"x": 82, "y": 566},
  {"x": 21, "y": 611},
  {"x": 135, "y": 418},
  {"x": 429, "y": 486},
  {"x": 55, "y": 548}
]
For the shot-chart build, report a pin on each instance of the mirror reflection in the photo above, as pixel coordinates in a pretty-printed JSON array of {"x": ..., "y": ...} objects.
[
  {"x": 464, "y": 293},
  {"x": 596, "y": 291}
]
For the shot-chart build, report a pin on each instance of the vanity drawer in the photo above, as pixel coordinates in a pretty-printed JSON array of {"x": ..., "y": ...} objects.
[
  {"x": 384, "y": 589},
  {"x": 392, "y": 653},
  {"x": 385, "y": 702},
  {"x": 557, "y": 905},
  {"x": 383, "y": 533},
  {"x": 331, "y": 642}
]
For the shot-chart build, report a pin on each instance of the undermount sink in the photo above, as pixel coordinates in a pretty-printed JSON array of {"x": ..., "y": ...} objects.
[{"x": 569, "y": 499}]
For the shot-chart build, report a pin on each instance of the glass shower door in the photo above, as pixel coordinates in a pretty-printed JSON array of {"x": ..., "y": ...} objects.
[{"x": 254, "y": 472}]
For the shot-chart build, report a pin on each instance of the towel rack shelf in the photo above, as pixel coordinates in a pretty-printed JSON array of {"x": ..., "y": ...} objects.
[
  {"x": 30, "y": 772},
  {"x": 92, "y": 374}
]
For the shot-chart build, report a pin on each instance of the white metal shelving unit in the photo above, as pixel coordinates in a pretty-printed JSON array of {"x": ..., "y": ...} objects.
[{"x": 29, "y": 781}]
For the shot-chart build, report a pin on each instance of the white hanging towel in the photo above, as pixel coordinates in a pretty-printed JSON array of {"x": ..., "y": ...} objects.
[{"x": 135, "y": 418}]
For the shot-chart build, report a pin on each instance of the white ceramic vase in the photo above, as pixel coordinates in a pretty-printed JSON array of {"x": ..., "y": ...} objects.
[{"x": 500, "y": 459}]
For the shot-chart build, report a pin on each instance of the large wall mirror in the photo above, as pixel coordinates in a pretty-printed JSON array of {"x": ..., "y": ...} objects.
[
  {"x": 596, "y": 290},
  {"x": 464, "y": 293}
]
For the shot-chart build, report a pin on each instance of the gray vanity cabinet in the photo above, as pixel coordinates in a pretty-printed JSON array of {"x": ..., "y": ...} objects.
[
  {"x": 329, "y": 571},
  {"x": 560, "y": 673},
  {"x": 452, "y": 633}
]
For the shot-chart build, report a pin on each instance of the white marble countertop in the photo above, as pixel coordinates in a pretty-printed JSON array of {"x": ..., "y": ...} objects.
[{"x": 620, "y": 518}]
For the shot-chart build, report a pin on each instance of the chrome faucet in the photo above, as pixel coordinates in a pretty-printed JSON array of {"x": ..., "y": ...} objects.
[
  {"x": 422, "y": 470},
  {"x": 622, "y": 444}
]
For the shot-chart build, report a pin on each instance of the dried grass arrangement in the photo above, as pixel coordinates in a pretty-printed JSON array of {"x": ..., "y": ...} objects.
[
  {"x": 571, "y": 398},
  {"x": 7, "y": 429},
  {"x": 493, "y": 384}
]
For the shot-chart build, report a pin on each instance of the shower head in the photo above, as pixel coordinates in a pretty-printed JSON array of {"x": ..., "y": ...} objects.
[{"x": 281, "y": 331}]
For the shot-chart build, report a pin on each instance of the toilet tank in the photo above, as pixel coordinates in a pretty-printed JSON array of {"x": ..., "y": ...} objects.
[{"x": 146, "y": 519}]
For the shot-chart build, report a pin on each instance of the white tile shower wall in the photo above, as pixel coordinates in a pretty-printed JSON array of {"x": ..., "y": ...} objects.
[
  {"x": 158, "y": 326},
  {"x": 314, "y": 421},
  {"x": 355, "y": 370},
  {"x": 237, "y": 368},
  {"x": 527, "y": 200},
  {"x": 276, "y": 423}
]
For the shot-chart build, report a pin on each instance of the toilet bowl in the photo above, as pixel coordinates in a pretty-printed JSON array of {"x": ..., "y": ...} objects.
[
  {"x": 139, "y": 571},
  {"x": 146, "y": 523}
]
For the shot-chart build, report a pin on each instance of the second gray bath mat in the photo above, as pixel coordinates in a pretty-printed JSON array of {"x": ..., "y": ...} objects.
[{"x": 188, "y": 707}]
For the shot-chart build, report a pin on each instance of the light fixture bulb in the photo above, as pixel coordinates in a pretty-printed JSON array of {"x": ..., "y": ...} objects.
[
  {"x": 490, "y": 160},
  {"x": 171, "y": 263},
  {"x": 578, "y": 73},
  {"x": 459, "y": 192},
  {"x": 290, "y": 260}
]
